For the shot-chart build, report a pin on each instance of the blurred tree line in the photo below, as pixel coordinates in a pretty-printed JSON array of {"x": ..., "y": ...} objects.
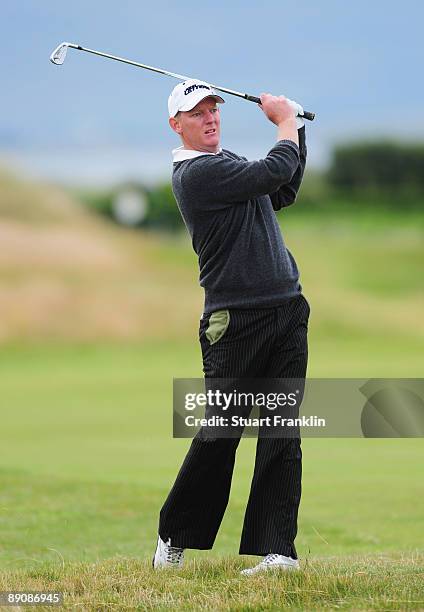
[
  {"x": 387, "y": 168},
  {"x": 372, "y": 175}
]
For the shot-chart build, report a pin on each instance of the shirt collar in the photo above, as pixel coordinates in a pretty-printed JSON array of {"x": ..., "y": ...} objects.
[{"x": 182, "y": 154}]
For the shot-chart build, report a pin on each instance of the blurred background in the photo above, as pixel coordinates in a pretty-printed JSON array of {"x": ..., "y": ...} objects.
[{"x": 99, "y": 295}]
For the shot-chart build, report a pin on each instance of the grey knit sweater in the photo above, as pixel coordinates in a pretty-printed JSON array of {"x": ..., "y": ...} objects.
[{"x": 228, "y": 205}]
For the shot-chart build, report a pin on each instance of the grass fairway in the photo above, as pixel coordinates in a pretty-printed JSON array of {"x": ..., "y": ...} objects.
[
  {"x": 357, "y": 583},
  {"x": 87, "y": 459},
  {"x": 94, "y": 330}
]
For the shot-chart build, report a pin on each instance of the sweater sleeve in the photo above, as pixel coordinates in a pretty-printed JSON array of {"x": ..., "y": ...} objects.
[
  {"x": 286, "y": 194},
  {"x": 222, "y": 179}
]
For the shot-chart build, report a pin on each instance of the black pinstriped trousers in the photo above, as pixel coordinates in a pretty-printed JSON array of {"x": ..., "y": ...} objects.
[{"x": 266, "y": 342}]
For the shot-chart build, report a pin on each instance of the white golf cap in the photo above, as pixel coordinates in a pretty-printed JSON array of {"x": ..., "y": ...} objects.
[{"x": 186, "y": 95}]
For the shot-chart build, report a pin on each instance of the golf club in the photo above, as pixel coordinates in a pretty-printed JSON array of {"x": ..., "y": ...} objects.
[{"x": 59, "y": 54}]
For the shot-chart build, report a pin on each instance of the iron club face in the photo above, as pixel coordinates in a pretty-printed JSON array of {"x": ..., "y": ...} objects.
[{"x": 59, "y": 54}]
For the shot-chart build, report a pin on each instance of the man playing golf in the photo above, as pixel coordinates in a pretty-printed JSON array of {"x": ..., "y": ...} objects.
[{"x": 254, "y": 322}]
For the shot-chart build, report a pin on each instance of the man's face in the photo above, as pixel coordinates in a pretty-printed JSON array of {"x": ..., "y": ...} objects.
[{"x": 200, "y": 127}]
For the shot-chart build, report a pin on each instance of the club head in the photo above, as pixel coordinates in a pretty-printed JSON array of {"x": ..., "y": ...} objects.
[{"x": 59, "y": 54}]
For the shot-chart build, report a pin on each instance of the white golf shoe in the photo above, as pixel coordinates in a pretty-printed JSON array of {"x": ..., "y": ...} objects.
[
  {"x": 270, "y": 562},
  {"x": 167, "y": 555}
]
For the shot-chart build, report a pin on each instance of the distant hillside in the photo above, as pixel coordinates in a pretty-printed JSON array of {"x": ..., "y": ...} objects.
[
  {"x": 66, "y": 274},
  {"x": 35, "y": 203}
]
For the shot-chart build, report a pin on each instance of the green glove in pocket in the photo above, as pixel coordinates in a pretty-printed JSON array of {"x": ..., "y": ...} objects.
[{"x": 218, "y": 325}]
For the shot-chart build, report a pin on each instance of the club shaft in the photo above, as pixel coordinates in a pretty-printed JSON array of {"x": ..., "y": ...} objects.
[
  {"x": 306, "y": 114},
  {"x": 131, "y": 62}
]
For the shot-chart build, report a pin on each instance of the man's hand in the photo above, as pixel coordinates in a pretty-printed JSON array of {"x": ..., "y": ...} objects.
[
  {"x": 279, "y": 110},
  {"x": 298, "y": 111}
]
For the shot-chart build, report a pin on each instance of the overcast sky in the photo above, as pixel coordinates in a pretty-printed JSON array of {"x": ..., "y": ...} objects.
[{"x": 358, "y": 65}]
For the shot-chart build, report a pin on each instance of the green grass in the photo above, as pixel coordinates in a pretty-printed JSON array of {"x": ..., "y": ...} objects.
[
  {"x": 360, "y": 583},
  {"x": 87, "y": 456},
  {"x": 87, "y": 459}
]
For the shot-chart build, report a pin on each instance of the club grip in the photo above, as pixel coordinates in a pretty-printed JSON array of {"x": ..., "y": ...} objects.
[{"x": 306, "y": 114}]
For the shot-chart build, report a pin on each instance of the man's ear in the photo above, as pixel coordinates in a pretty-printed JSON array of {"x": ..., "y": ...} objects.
[{"x": 175, "y": 125}]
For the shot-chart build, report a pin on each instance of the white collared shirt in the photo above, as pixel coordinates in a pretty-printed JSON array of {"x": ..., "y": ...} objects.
[{"x": 182, "y": 154}]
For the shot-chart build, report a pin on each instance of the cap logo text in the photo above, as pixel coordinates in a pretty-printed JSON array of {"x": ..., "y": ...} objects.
[{"x": 190, "y": 89}]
